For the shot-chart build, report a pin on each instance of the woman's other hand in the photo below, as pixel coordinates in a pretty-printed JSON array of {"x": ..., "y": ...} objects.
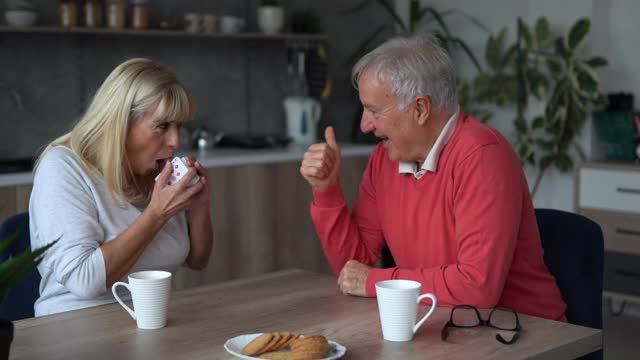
[{"x": 201, "y": 201}]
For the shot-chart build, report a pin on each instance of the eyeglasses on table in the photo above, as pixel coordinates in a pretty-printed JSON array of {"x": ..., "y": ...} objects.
[{"x": 467, "y": 316}]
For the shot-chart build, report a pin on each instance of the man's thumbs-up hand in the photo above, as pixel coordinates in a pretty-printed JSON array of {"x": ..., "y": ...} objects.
[{"x": 321, "y": 162}]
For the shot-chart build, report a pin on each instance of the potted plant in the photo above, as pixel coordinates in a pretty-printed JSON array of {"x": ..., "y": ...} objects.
[
  {"x": 270, "y": 17},
  {"x": 12, "y": 271},
  {"x": 550, "y": 69}
]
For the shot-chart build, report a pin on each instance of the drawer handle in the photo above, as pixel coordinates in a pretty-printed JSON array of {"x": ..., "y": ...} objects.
[
  {"x": 628, "y": 190},
  {"x": 627, "y": 273},
  {"x": 627, "y": 232}
]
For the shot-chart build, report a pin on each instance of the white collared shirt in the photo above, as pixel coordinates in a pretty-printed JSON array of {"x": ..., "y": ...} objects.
[{"x": 431, "y": 162}]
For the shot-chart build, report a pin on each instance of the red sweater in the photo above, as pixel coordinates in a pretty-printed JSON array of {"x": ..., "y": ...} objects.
[{"x": 467, "y": 232}]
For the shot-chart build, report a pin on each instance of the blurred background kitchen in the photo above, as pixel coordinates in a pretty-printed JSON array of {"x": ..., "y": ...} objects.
[
  {"x": 266, "y": 73},
  {"x": 239, "y": 83}
]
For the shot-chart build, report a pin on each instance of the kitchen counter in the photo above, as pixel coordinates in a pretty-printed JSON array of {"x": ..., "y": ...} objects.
[{"x": 221, "y": 157}]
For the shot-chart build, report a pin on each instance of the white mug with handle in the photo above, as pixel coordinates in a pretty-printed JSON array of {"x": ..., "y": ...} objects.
[
  {"x": 398, "y": 302},
  {"x": 150, "y": 291}
]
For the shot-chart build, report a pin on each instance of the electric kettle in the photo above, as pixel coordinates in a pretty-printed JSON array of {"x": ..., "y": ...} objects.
[{"x": 303, "y": 114}]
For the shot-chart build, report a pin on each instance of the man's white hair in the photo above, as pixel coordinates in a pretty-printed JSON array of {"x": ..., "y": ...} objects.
[{"x": 412, "y": 66}]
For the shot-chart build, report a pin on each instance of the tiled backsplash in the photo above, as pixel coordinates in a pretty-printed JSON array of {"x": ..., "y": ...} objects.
[{"x": 237, "y": 83}]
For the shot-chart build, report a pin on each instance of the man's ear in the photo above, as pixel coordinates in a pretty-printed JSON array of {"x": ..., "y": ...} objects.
[{"x": 422, "y": 109}]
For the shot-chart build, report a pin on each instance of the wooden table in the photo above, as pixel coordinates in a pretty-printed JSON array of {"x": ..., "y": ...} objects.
[{"x": 202, "y": 319}]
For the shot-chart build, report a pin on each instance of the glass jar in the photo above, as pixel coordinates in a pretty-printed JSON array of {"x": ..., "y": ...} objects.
[
  {"x": 115, "y": 14},
  {"x": 139, "y": 14},
  {"x": 92, "y": 14},
  {"x": 68, "y": 12}
]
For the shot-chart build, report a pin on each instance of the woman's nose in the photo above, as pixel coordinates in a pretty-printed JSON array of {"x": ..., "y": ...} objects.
[{"x": 173, "y": 139}]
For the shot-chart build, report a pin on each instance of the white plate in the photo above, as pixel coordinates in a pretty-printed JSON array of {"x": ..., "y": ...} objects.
[{"x": 235, "y": 345}]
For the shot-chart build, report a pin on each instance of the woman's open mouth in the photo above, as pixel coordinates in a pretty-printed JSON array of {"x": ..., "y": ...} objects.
[{"x": 160, "y": 163}]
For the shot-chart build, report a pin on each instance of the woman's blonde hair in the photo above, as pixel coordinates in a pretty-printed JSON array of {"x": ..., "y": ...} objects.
[{"x": 128, "y": 93}]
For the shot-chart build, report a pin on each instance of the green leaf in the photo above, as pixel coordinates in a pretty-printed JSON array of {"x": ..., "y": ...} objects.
[
  {"x": 554, "y": 65},
  {"x": 545, "y": 145},
  {"x": 524, "y": 31},
  {"x": 415, "y": 14},
  {"x": 563, "y": 162},
  {"x": 538, "y": 122},
  {"x": 580, "y": 101},
  {"x": 509, "y": 57},
  {"x": 482, "y": 87},
  {"x": 15, "y": 268},
  {"x": 587, "y": 79},
  {"x": 542, "y": 31},
  {"x": 577, "y": 35},
  {"x": 523, "y": 151},
  {"x": 484, "y": 116},
  {"x": 492, "y": 52},
  {"x": 597, "y": 61},
  {"x": 521, "y": 125},
  {"x": 537, "y": 83}
]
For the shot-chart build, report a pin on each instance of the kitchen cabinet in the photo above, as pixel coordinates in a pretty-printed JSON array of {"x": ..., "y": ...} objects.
[
  {"x": 609, "y": 194},
  {"x": 260, "y": 215},
  {"x": 14, "y": 200}
]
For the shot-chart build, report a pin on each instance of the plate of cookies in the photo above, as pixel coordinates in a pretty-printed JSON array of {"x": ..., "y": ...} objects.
[{"x": 284, "y": 346}]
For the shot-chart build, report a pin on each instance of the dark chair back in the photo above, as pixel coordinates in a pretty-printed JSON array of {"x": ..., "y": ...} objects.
[
  {"x": 573, "y": 252},
  {"x": 19, "y": 302}
]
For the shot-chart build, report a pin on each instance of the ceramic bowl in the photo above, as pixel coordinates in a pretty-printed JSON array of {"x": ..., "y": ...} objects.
[{"x": 20, "y": 17}]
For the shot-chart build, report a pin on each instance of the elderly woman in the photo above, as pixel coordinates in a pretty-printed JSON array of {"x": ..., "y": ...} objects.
[{"x": 94, "y": 192}]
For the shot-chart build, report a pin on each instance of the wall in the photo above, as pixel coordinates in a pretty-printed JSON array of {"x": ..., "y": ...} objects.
[
  {"x": 237, "y": 84},
  {"x": 613, "y": 34}
]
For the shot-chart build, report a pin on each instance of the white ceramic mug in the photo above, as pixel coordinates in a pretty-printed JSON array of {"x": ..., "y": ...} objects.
[
  {"x": 193, "y": 22},
  {"x": 398, "y": 304},
  {"x": 150, "y": 291},
  {"x": 231, "y": 24},
  {"x": 270, "y": 19}
]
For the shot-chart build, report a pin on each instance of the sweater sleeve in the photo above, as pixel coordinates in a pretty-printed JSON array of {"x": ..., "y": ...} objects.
[
  {"x": 62, "y": 208},
  {"x": 487, "y": 203},
  {"x": 344, "y": 235}
]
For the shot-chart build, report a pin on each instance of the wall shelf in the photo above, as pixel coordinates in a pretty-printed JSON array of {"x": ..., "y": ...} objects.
[{"x": 159, "y": 33}]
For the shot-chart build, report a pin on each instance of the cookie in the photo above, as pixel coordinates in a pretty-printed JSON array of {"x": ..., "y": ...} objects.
[
  {"x": 257, "y": 345},
  {"x": 309, "y": 347},
  {"x": 271, "y": 346},
  {"x": 286, "y": 338},
  {"x": 276, "y": 355},
  {"x": 309, "y": 339}
]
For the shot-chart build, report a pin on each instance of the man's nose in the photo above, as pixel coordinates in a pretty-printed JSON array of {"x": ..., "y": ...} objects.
[{"x": 366, "y": 123}]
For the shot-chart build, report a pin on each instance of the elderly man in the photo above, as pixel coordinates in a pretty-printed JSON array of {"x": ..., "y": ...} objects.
[{"x": 443, "y": 191}]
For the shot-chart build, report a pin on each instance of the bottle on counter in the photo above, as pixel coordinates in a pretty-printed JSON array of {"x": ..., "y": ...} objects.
[
  {"x": 68, "y": 12},
  {"x": 92, "y": 13},
  {"x": 115, "y": 14},
  {"x": 139, "y": 14}
]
